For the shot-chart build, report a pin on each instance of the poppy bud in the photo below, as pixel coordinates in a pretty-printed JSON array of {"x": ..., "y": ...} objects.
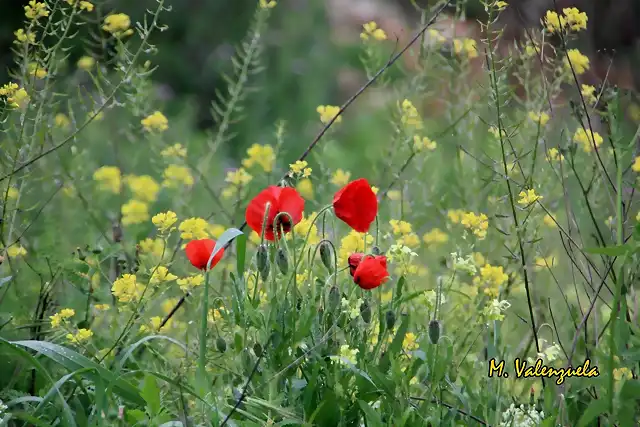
[
  {"x": 81, "y": 255},
  {"x": 221, "y": 345},
  {"x": 257, "y": 349},
  {"x": 390, "y": 319},
  {"x": 434, "y": 331},
  {"x": 334, "y": 297},
  {"x": 325, "y": 255},
  {"x": 264, "y": 273},
  {"x": 376, "y": 251},
  {"x": 365, "y": 311},
  {"x": 262, "y": 259},
  {"x": 282, "y": 261}
]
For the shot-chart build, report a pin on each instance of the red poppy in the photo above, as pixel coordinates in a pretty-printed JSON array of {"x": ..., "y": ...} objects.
[
  {"x": 371, "y": 272},
  {"x": 356, "y": 204},
  {"x": 199, "y": 251},
  {"x": 279, "y": 199},
  {"x": 353, "y": 262}
]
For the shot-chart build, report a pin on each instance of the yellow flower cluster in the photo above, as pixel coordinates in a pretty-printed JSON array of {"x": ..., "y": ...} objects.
[
  {"x": 143, "y": 187},
  {"x": 493, "y": 130},
  {"x": 194, "y": 228},
  {"x": 491, "y": 278},
  {"x": 500, "y": 5},
  {"x": 86, "y": 63},
  {"x": 262, "y": 155},
  {"x": 423, "y": 143},
  {"x": 134, "y": 212},
  {"x": 554, "y": 154},
  {"x": 541, "y": 263},
  {"x": 371, "y": 30},
  {"x": 340, "y": 178},
  {"x": 176, "y": 151},
  {"x": 80, "y": 336},
  {"x": 528, "y": 197},
  {"x": 154, "y": 325},
  {"x": 108, "y": 178},
  {"x": 164, "y": 221},
  {"x": 588, "y": 92},
  {"x": 176, "y": 175},
  {"x": 36, "y": 10},
  {"x": 570, "y": 18},
  {"x": 410, "y": 116},
  {"x": 435, "y": 237},
  {"x": 409, "y": 342},
  {"x": 352, "y": 242},
  {"x": 238, "y": 179},
  {"x": 188, "y": 283},
  {"x": 622, "y": 373},
  {"x": 126, "y": 288},
  {"x": 84, "y": 5},
  {"x": 405, "y": 232},
  {"x": 576, "y": 61},
  {"x": 268, "y": 4},
  {"x": 156, "y": 122},
  {"x": 305, "y": 188},
  {"x": 23, "y": 36},
  {"x": 548, "y": 220},
  {"x": 305, "y": 226},
  {"x": 118, "y": 24},
  {"x": 161, "y": 274},
  {"x": 328, "y": 112},
  {"x": 61, "y": 121},
  {"x": 58, "y": 318},
  {"x": 153, "y": 247},
  {"x": 466, "y": 46},
  {"x": 16, "y": 251},
  {"x": 477, "y": 223},
  {"x": 37, "y": 71},
  {"x": 587, "y": 140},
  {"x": 539, "y": 118},
  {"x": 17, "y": 97},
  {"x": 299, "y": 168}
]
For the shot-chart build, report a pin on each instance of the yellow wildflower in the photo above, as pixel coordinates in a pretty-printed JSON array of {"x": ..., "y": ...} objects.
[
  {"x": 478, "y": 259},
  {"x": 435, "y": 237},
  {"x": 371, "y": 30},
  {"x": 80, "y": 336},
  {"x": 134, "y": 212},
  {"x": 108, "y": 178},
  {"x": 436, "y": 36},
  {"x": 554, "y": 154},
  {"x": 126, "y": 288},
  {"x": 305, "y": 226},
  {"x": 161, "y": 274},
  {"x": 636, "y": 164},
  {"x": 305, "y": 188},
  {"x": 477, "y": 223},
  {"x": 152, "y": 247},
  {"x": 37, "y": 71},
  {"x": 375, "y": 189},
  {"x": 156, "y": 122},
  {"x": 268, "y": 4},
  {"x": 491, "y": 278},
  {"x": 188, "y": 283},
  {"x": 577, "y": 61},
  {"x": 59, "y": 317},
  {"x": 300, "y": 168},
  {"x": 86, "y": 63},
  {"x": 16, "y": 251},
  {"x": 554, "y": 22},
  {"x": 575, "y": 19},
  {"x": 549, "y": 221},
  {"x": 12, "y": 193},
  {"x": 493, "y": 130},
  {"x": 500, "y": 5},
  {"x": 102, "y": 307},
  {"x": 176, "y": 175},
  {"x": 175, "y": 150},
  {"x": 587, "y": 139},
  {"x": 340, "y": 178},
  {"x": 409, "y": 342},
  {"x": 143, "y": 187},
  {"x": 238, "y": 177},
  {"x": 36, "y": 10},
  {"x": 61, "y": 121},
  {"x": 410, "y": 240},
  {"x": 262, "y": 155},
  {"x": 423, "y": 143},
  {"x": 455, "y": 215},
  {"x": 118, "y": 24},
  {"x": 23, "y": 36},
  {"x": 164, "y": 221},
  {"x": 622, "y": 373},
  {"x": 328, "y": 112},
  {"x": 528, "y": 197},
  {"x": 194, "y": 228},
  {"x": 466, "y": 46},
  {"x": 410, "y": 116},
  {"x": 542, "y": 118},
  {"x": 19, "y": 98},
  {"x": 544, "y": 263},
  {"x": 352, "y": 242},
  {"x": 400, "y": 227},
  {"x": 588, "y": 92}
]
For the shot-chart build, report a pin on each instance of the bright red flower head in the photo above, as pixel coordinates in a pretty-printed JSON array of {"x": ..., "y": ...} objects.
[
  {"x": 371, "y": 272},
  {"x": 199, "y": 251},
  {"x": 279, "y": 199},
  {"x": 356, "y": 204},
  {"x": 354, "y": 261}
]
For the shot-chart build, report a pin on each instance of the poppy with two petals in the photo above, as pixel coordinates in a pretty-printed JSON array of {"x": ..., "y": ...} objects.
[
  {"x": 199, "y": 251},
  {"x": 371, "y": 271},
  {"x": 278, "y": 200},
  {"x": 356, "y": 204}
]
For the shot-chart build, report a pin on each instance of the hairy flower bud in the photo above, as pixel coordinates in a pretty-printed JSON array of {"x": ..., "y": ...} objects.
[
  {"x": 334, "y": 298},
  {"x": 325, "y": 255},
  {"x": 365, "y": 311},
  {"x": 282, "y": 261},
  {"x": 376, "y": 251},
  {"x": 390, "y": 319},
  {"x": 221, "y": 345},
  {"x": 434, "y": 331},
  {"x": 264, "y": 273},
  {"x": 262, "y": 258},
  {"x": 257, "y": 349}
]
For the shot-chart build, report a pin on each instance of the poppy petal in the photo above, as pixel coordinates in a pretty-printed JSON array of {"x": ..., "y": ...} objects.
[
  {"x": 356, "y": 204},
  {"x": 371, "y": 272},
  {"x": 254, "y": 215},
  {"x": 199, "y": 251}
]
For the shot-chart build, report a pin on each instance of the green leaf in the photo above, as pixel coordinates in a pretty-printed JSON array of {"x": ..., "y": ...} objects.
[
  {"x": 74, "y": 361},
  {"x": 396, "y": 344},
  {"x": 241, "y": 253},
  {"x": 151, "y": 394},
  {"x": 128, "y": 351},
  {"x": 595, "y": 408},
  {"x": 372, "y": 417},
  {"x": 619, "y": 250},
  {"x": 630, "y": 390}
]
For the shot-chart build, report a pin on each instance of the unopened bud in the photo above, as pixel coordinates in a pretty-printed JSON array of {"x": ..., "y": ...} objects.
[
  {"x": 376, "y": 251},
  {"x": 334, "y": 298},
  {"x": 325, "y": 255},
  {"x": 365, "y": 311},
  {"x": 221, "y": 345},
  {"x": 262, "y": 259},
  {"x": 264, "y": 273},
  {"x": 434, "y": 331},
  {"x": 390, "y": 319},
  {"x": 282, "y": 261},
  {"x": 257, "y": 349}
]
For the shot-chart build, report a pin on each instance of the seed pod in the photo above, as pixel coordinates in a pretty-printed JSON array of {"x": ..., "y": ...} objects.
[
  {"x": 257, "y": 349},
  {"x": 365, "y": 311},
  {"x": 376, "y": 251},
  {"x": 390, "y": 319},
  {"x": 434, "y": 331},
  {"x": 262, "y": 258},
  {"x": 282, "y": 261},
  {"x": 221, "y": 345},
  {"x": 334, "y": 298},
  {"x": 325, "y": 255}
]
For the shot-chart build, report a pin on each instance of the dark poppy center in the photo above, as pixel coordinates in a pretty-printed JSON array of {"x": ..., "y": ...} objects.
[{"x": 283, "y": 223}]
